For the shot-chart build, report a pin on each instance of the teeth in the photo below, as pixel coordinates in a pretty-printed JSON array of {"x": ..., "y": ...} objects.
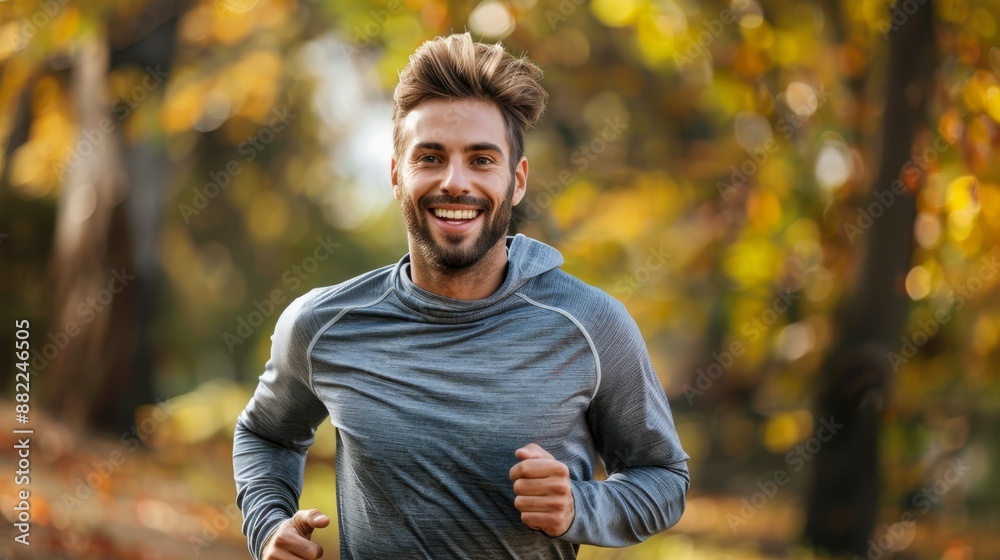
[{"x": 455, "y": 214}]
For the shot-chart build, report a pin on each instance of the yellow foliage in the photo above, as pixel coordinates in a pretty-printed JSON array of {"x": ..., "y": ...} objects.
[
  {"x": 751, "y": 262},
  {"x": 763, "y": 210},
  {"x": 780, "y": 433},
  {"x": 267, "y": 217},
  {"x": 616, "y": 13},
  {"x": 182, "y": 106},
  {"x": 993, "y": 102},
  {"x": 656, "y": 42},
  {"x": 208, "y": 410},
  {"x": 575, "y": 204}
]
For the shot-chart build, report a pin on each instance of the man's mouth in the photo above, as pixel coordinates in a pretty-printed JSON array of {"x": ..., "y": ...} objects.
[{"x": 455, "y": 217}]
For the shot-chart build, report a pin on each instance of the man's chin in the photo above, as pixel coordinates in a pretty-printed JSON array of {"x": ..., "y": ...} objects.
[
  {"x": 456, "y": 252},
  {"x": 453, "y": 258}
]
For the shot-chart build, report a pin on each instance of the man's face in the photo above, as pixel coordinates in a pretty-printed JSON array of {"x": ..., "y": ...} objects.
[{"x": 454, "y": 182}]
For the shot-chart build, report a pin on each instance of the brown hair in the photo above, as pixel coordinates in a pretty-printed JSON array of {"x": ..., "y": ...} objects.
[{"x": 454, "y": 67}]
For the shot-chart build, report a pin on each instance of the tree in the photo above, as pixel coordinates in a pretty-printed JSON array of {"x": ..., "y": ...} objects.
[
  {"x": 856, "y": 372},
  {"x": 104, "y": 265}
]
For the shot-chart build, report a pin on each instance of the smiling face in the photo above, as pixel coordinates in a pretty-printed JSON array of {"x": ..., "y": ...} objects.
[{"x": 454, "y": 182}]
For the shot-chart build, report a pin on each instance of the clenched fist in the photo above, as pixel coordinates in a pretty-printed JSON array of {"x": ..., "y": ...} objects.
[
  {"x": 542, "y": 491},
  {"x": 291, "y": 540}
]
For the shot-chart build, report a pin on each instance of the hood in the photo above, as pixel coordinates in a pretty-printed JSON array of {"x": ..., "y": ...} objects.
[{"x": 526, "y": 259}]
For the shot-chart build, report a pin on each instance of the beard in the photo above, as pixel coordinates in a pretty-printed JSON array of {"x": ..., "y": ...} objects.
[{"x": 456, "y": 252}]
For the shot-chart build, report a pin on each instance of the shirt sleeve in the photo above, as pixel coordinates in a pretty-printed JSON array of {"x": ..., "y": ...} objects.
[
  {"x": 274, "y": 432},
  {"x": 634, "y": 433}
]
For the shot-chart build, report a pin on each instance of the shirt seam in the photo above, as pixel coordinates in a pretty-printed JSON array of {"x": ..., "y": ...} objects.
[
  {"x": 326, "y": 326},
  {"x": 583, "y": 330}
]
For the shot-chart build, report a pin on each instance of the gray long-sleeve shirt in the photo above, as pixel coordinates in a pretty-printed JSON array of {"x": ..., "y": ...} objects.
[{"x": 431, "y": 396}]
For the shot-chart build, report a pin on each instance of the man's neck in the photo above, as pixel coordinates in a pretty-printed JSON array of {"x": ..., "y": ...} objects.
[{"x": 476, "y": 282}]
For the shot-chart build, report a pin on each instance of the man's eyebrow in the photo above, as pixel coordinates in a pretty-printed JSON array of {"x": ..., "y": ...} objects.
[
  {"x": 477, "y": 147},
  {"x": 436, "y": 146},
  {"x": 483, "y": 147}
]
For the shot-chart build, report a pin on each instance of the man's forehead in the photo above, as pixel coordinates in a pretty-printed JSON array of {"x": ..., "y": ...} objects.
[{"x": 455, "y": 122}]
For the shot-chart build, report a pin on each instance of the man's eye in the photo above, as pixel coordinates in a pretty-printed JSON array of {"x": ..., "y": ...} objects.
[
  {"x": 483, "y": 160},
  {"x": 429, "y": 158}
]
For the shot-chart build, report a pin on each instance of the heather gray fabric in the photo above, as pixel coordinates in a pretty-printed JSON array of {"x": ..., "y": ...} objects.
[{"x": 431, "y": 396}]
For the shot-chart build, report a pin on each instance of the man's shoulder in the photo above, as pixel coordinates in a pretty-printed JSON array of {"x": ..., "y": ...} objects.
[
  {"x": 363, "y": 289},
  {"x": 306, "y": 314},
  {"x": 595, "y": 309}
]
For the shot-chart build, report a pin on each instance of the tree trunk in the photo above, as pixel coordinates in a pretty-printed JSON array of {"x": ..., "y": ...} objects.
[
  {"x": 105, "y": 261},
  {"x": 844, "y": 491},
  {"x": 91, "y": 311}
]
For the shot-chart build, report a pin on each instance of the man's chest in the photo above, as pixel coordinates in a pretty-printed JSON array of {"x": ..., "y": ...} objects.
[{"x": 485, "y": 386}]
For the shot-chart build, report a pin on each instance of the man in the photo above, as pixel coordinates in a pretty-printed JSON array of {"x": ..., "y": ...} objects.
[{"x": 473, "y": 383}]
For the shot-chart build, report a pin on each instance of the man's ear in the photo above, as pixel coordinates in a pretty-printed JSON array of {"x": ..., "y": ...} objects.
[
  {"x": 520, "y": 180},
  {"x": 394, "y": 177}
]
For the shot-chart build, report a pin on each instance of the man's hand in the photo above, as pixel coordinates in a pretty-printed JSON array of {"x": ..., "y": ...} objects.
[
  {"x": 542, "y": 489},
  {"x": 290, "y": 541}
]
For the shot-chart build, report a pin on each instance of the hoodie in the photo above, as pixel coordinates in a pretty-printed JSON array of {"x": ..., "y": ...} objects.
[{"x": 431, "y": 396}]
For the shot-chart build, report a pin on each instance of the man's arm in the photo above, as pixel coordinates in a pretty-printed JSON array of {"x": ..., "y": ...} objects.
[
  {"x": 274, "y": 432},
  {"x": 634, "y": 432}
]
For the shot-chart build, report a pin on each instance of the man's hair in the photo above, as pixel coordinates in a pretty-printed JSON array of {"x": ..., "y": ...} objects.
[{"x": 454, "y": 67}]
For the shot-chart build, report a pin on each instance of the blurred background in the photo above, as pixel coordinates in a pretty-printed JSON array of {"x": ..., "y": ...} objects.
[{"x": 798, "y": 202}]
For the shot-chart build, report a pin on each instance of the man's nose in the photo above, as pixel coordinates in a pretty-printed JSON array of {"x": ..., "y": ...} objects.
[{"x": 456, "y": 180}]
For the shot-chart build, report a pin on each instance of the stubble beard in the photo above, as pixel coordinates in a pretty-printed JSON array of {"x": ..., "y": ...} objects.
[{"x": 456, "y": 254}]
